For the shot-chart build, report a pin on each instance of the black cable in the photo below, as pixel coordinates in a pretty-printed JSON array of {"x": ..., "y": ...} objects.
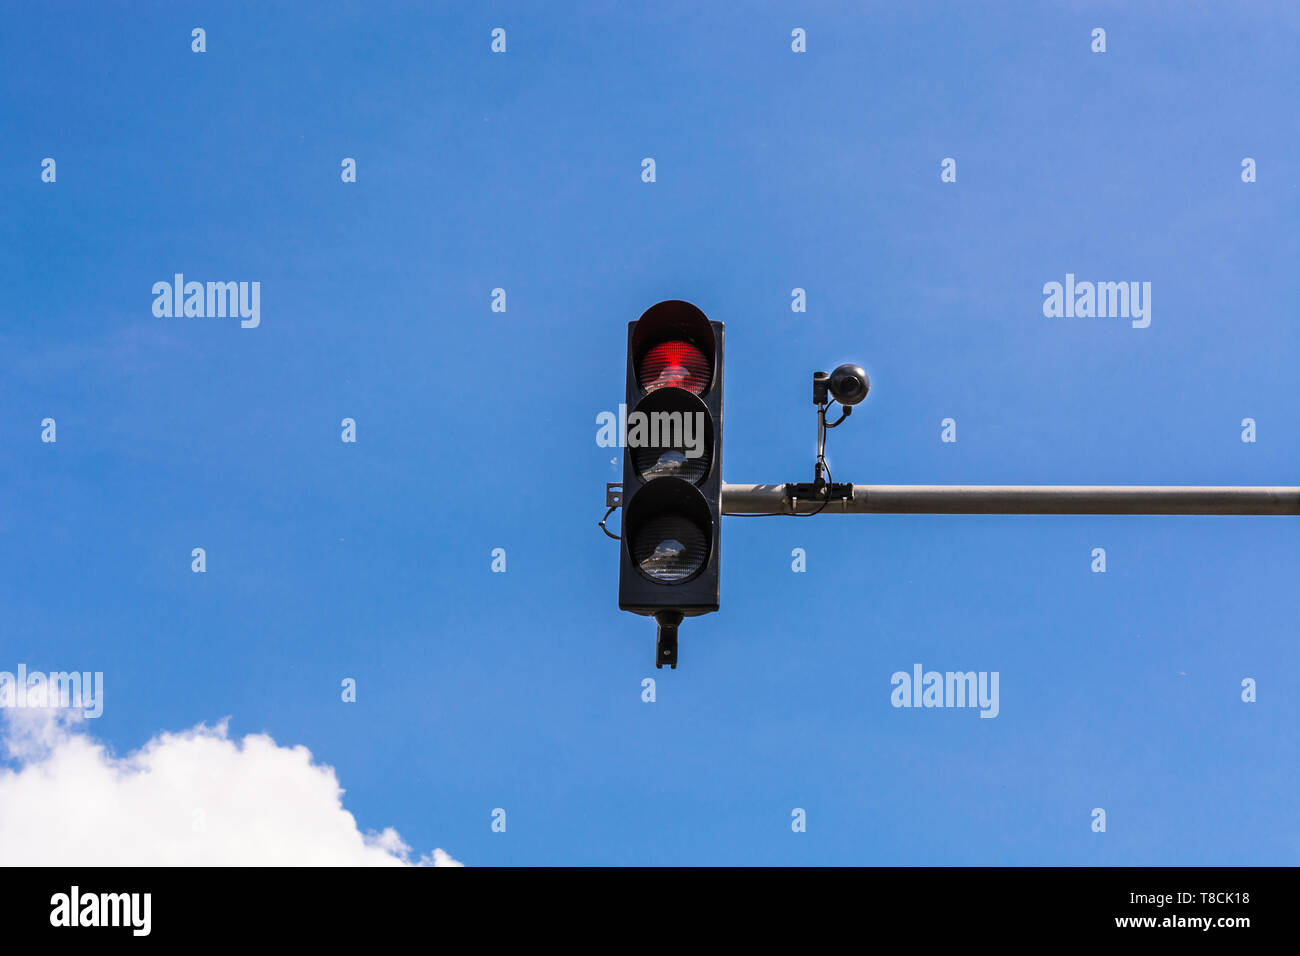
[
  {"x": 821, "y": 466},
  {"x": 821, "y": 457},
  {"x": 786, "y": 514},
  {"x": 829, "y": 481},
  {"x": 601, "y": 523},
  {"x": 848, "y": 410}
]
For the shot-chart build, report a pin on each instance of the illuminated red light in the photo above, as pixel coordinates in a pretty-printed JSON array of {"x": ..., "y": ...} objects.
[{"x": 674, "y": 364}]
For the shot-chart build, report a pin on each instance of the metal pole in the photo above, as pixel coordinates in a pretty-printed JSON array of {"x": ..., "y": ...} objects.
[{"x": 1022, "y": 500}]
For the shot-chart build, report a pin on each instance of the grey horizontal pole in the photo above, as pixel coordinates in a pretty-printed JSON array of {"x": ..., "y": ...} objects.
[{"x": 1023, "y": 500}]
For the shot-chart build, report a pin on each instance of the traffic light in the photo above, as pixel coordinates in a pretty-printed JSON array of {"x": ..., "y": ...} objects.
[{"x": 672, "y": 469}]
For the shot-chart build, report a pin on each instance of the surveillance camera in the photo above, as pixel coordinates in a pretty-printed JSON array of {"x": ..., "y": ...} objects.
[{"x": 849, "y": 384}]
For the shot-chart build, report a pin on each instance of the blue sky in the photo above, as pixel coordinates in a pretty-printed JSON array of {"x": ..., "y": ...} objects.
[{"x": 476, "y": 429}]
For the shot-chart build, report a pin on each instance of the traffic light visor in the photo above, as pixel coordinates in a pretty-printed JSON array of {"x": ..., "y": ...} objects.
[{"x": 672, "y": 347}]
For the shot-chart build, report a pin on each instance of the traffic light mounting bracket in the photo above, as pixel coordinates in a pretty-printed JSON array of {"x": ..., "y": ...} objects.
[
  {"x": 818, "y": 490},
  {"x": 613, "y": 494}
]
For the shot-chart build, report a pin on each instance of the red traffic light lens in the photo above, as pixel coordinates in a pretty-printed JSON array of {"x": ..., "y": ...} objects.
[{"x": 674, "y": 364}]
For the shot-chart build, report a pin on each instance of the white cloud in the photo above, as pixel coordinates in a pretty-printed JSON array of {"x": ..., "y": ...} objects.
[{"x": 192, "y": 798}]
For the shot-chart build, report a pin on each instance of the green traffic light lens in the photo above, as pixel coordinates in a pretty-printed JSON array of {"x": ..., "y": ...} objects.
[{"x": 670, "y": 549}]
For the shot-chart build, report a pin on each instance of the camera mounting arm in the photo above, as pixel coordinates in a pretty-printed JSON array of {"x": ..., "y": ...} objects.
[{"x": 847, "y": 385}]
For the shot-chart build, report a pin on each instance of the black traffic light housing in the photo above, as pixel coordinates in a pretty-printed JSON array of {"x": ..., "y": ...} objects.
[{"x": 672, "y": 500}]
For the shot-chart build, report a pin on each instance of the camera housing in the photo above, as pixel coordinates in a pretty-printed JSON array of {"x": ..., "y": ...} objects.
[{"x": 849, "y": 384}]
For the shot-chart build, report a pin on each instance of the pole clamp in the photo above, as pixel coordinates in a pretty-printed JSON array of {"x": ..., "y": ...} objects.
[{"x": 818, "y": 491}]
